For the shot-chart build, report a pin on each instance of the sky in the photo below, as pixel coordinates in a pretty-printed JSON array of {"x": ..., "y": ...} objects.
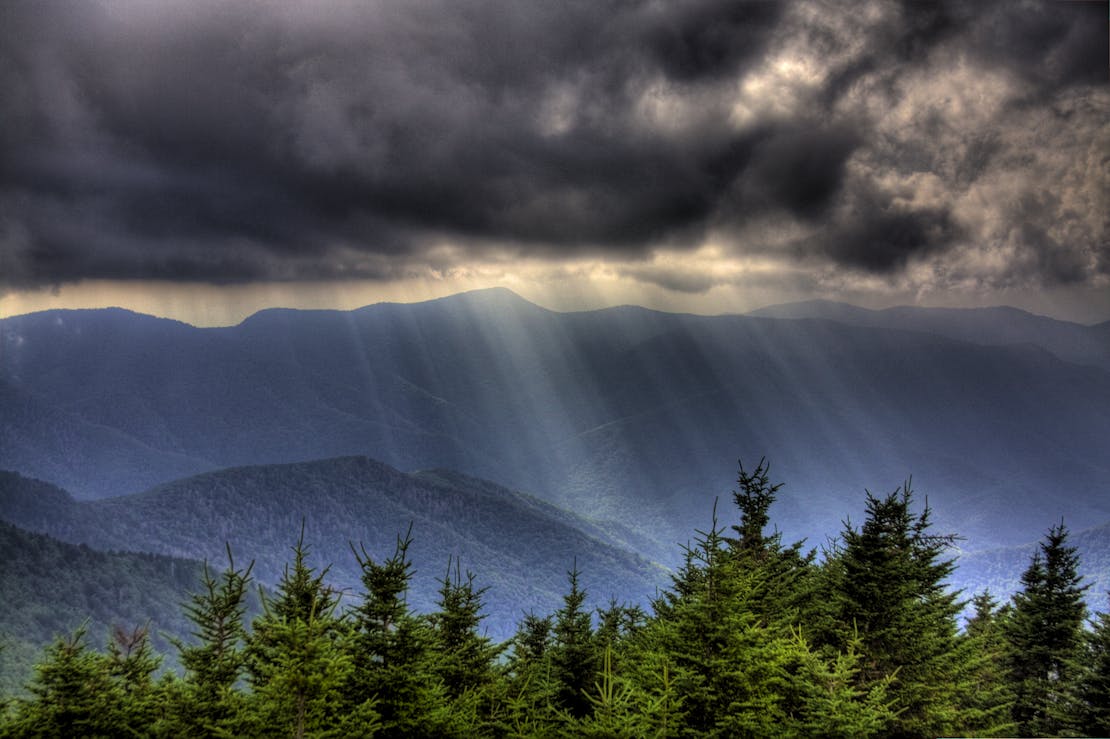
[{"x": 203, "y": 159}]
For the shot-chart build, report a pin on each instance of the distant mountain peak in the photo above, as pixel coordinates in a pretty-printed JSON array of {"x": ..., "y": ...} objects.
[{"x": 488, "y": 297}]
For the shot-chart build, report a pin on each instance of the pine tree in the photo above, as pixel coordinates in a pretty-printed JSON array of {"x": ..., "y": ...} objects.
[
  {"x": 888, "y": 590},
  {"x": 1094, "y": 679},
  {"x": 783, "y": 584},
  {"x": 526, "y": 695},
  {"x": 209, "y": 703},
  {"x": 392, "y": 651},
  {"x": 297, "y": 661},
  {"x": 132, "y": 663},
  {"x": 986, "y": 705},
  {"x": 1044, "y": 635},
  {"x": 727, "y": 666},
  {"x": 573, "y": 661},
  {"x": 72, "y": 694},
  {"x": 464, "y": 656},
  {"x": 824, "y": 697}
]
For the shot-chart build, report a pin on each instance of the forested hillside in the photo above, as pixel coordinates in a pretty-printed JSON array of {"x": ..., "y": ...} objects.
[
  {"x": 49, "y": 587},
  {"x": 622, "y": 414},
  {"x": 520, "y": 544},
  {"x": 753, "y": 637}
]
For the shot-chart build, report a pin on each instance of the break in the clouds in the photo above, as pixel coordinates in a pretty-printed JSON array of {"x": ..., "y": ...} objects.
[{"x": 924, "y": 145}]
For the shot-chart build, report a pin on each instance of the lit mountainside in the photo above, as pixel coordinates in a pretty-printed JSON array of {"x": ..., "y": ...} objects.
[{"x": 623, "y": 414}]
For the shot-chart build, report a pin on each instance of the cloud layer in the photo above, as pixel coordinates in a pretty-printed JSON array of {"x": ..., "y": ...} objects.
[{"x": 929, "y": 146}]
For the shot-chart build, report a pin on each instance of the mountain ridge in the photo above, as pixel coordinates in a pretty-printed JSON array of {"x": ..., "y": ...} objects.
[
  {"x": 518, "y": 545},
  {"x": 623, "y": 414}
]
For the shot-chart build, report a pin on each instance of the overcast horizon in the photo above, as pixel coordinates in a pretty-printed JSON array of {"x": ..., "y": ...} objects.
[{"x": 205, "y": 160}]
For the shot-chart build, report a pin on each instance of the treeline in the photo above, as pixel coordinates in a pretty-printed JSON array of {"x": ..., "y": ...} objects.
[{"x": 752, "y": 638}]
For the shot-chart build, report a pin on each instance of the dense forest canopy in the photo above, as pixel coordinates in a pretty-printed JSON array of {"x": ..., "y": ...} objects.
[{"x": 753, "y": 637}]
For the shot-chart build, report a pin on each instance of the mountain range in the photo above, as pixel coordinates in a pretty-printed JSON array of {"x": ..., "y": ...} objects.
[
  {"x": 517, "y": 546},
  {"x": 631, "y": 418}
]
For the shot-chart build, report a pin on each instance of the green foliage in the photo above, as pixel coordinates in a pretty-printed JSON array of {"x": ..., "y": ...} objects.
[
  {"x": 208, "y": 702},
  {"x": 887, "y": 590},
  {"x": 572, "y": 652},
  {"x": 297, "y": 659},
  {"x": 1093, "y": 680},
  {"x": 986, "y": 698},
  {"x": 1044, "y": 634},
  {"x": 752, "y": 639},
  {"x": 49, "y": 587},
  {"x": 392, "y": 651}
]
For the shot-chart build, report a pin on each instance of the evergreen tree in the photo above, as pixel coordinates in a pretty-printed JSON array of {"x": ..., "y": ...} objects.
[
  {"x": 782, "y": 584},
  {"x": 297, "y": 659},
  {"x": 464, "y": 656},
  {"x": 131, "y": 665},
  {"x": 392, "y": 651},
  {"x": 824, "y": 697},
  {"x": 1044, "y": 635},
  {"x": 208, "y": 702},
  {"x": 72, "y": 694},
  {"x": 573, "y": 661},
  {"x": 888, "y": 591},
  {"x": 1094, "y": 679},
  {"x": 526, "y": 704},
  {"x": 728, "y": 667},
  {"x": 986, "y": 704}
]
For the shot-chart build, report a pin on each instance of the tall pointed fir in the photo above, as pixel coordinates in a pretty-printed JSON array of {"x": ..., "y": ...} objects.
[
  {"x": 1094, "y": 679},
  {"x": 724, "y": 666},
  {"x": 132, "y": 663},
  {"x": 297, "y": 659},
  {"x": 783, "y": 583},
  {"x": 528, "y": 703},
  {"x": 573, "y": 662},
  {"x": 213, "y": 664},
  {"x": 1045, "y": 634},
  {"x": 986, "y": 703},
  {"x": 392, "y": 650},
  {"x": 71, "y": 694},
  {"x": 887, "y": 589},
  {"x": 463, "y": 656}
]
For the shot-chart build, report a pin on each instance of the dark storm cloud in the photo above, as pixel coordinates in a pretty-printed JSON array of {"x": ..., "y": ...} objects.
[{"x": 255, "y": 140}]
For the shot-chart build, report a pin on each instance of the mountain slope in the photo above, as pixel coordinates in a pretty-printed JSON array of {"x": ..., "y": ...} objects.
[
  {"x": 519, "y": 546},
  {"x": 622, "y": 414},
  {"x": 1000, "y": 570},
  {"x": 1072, "y": 342},
  {"x": 50, "y": 588}
]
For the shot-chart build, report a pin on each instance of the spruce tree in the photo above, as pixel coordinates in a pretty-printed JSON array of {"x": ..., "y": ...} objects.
[
  {"x": 1094, "y": 679},
  {"x": 527, "y": 700},
  {"x": 986, "y": 703},
  {"x": 887, "y": 589},
  {"x": 208, "y": 703},
  {"x": 782, "y": 583},
  {"x": 72, "y": 694},
  {"x": 132, "y": 663},
  {"x": 725, "y": 666},
  {"x": 1044, "y": 635},
  {"x": 391, "y": 650},
  {"x": 573, "y": 660},
  {"x": 297, "y": 660},
  {"x": 464, "y": 657}
]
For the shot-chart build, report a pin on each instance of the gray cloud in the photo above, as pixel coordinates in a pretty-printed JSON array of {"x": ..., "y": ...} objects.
[{"x": 251, "y": 141}]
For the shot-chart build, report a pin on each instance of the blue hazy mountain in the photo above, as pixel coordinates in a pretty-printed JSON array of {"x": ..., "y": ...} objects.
[
  {"x": 51, "y": 588},
  {"x": 518, "y": 546},
  {"x": 1073, "y": 342},
  {"x": 625, "y": 414}
]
